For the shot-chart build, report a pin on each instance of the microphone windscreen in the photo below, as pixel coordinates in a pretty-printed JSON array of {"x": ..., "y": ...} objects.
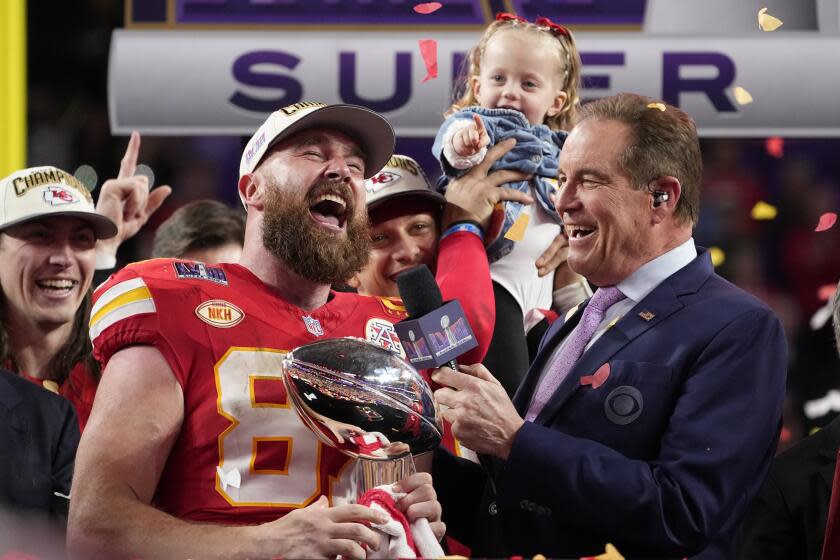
[{"x": 419, "y": 291}]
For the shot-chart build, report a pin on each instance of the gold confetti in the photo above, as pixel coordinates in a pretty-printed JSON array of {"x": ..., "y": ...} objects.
[
  {"x": 660, "y": 106},
  {"x": 742, "y": 96},
  {"x": 718, "y": 256},
  {"x": 517, "y": 230},
  {"x": 763, "y": 211},
  {"x": 50, "y": 385},
  {"x": 767, "y": 22},
  {"x": 611, "y": 553}
]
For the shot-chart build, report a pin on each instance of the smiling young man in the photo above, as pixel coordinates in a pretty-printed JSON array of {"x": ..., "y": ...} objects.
[
  {"x": 51, "y": 237},
  {"x": 193, "y": 449},
  {"x": 650, "y": 416}
]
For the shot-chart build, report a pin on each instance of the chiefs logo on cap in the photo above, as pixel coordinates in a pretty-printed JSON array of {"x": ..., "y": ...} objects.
[
  {"x": 56, "y": 196},
  {"x": 380, "y": 180}
]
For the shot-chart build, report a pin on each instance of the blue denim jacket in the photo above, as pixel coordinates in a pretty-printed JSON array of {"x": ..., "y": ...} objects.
[{"x": 536, "y": 152}]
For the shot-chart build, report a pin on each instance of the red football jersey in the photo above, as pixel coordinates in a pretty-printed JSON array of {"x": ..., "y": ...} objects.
[
  {"x": 79, "y": 388},
  {"x": 242, "y": 455}
]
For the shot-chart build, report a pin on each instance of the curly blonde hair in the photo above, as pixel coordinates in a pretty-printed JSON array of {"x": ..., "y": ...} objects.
[{"x": 567, "y": 116}]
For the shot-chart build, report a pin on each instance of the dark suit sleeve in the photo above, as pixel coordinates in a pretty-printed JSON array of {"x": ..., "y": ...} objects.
[
  {"x": 715, "y": 450},
  {"x": 67, "y": 428},
  {"x": 459, "y": 484},
  {"x": 769, "y": 530}
]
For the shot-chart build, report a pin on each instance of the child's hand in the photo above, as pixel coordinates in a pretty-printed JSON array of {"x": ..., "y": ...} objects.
[{"x": 470, "y": 140}]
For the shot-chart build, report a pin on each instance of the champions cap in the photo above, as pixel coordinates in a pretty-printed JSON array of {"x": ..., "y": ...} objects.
[
  {"x": 48, "y": 191},
  {"x": 373, "y": 133},
  {"x": 401, "y": 176}
]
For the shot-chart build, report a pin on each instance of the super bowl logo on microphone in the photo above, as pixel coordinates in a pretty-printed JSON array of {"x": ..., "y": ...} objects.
[
  {"x": 382, "y": 333},
  {"x": 56, "y": 196}
]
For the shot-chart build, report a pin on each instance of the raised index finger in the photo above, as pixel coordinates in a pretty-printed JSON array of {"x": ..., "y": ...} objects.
[
  {"x": 479, "y": 125},
  {"x": 128, "y": 164}
]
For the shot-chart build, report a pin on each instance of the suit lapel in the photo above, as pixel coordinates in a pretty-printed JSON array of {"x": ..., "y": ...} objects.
[
  {"x": 662, "y": 302},
  {"x": 828, "y": 453},
  {"x": 553, "y": 337}
]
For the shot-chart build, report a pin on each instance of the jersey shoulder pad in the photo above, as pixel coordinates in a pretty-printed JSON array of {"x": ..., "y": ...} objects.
[{"x": 125, "y": 294}]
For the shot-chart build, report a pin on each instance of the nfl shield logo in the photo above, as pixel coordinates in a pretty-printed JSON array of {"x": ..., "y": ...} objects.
[{"x": 313, "y": 325}]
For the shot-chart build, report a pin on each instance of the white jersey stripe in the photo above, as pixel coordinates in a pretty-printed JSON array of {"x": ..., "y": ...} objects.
[
  {"x": 119, "y": 313},
  {"x": 115, "y": 291}
]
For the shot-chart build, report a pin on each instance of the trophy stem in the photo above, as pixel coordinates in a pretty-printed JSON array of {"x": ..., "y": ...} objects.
[{"x": 372, "y": 473}]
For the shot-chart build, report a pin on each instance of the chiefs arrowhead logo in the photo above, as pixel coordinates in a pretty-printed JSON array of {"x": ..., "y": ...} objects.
[
  {"x": 380, "y": 180},
  {"x": 55, "y": 196}
]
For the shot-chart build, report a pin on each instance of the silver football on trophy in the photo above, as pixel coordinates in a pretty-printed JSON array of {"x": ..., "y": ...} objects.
[{"x": 362, "y": 399}]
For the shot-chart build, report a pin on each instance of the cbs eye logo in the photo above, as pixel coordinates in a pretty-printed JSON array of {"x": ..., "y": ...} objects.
[{"x": 623, "y": 405}]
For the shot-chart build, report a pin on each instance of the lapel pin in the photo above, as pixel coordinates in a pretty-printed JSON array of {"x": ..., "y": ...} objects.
[{"x": 647, "y": 315}]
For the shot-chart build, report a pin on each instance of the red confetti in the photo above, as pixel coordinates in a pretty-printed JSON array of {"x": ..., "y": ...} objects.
[
  {"x": 826, "y": 292},
  {"x": 775, "y": 146},
  {"x": 786, "y": 435},
  {"x": 826, "y": 221},
  {"x": 427, "y": 8},
  {"x": 598, "y": 378},
  {"x": 428, "y": 49}
]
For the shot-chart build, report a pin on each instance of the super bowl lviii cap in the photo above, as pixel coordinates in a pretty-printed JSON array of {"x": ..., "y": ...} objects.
[
  {"x": 373, "y": 133},
  {"x": 47, "y": 191},
  {"x": 401, "y": 176}
]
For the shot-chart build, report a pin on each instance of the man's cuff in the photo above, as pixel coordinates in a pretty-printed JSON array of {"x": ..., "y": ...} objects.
[{"x": 454, "y": 158}]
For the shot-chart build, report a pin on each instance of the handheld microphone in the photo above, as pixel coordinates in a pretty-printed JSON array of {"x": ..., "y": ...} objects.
[{"x": 435, "y": 332}]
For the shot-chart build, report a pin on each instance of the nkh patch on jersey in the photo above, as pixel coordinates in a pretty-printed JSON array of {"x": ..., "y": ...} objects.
[
  {"x": 381, "y": 332},
  {"x": 219, "y": 313}
]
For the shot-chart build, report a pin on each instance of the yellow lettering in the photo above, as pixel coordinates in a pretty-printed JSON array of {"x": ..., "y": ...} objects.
[
  {"x": 19, "y": 185},
  {"x": 403, "y": 163},
  {"x": 292, "y": 109},
  {"x": 49, "y": 177}
]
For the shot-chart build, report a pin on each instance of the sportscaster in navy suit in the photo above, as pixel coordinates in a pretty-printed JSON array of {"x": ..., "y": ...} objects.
[{"x": 650, "y": 415}]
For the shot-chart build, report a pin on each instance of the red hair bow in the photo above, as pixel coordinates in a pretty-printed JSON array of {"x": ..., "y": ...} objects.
[
  {"x": 553, "y": 27},
  {"x": 504, "y": 16}
]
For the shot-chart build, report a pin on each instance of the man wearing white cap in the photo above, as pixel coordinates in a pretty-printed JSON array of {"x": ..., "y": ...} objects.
[
  {"x": 51, "y": 237},
  {"x": 405, "y": 215},
  {"x": 192, "y": 449}
]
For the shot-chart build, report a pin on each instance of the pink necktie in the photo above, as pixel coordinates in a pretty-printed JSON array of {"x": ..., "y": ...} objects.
[{"x": 575, "y": 344}]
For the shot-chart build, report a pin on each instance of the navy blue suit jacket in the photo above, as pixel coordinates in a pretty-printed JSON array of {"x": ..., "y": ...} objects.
[
  {"x": 39, "y": 434},
  {"x": 663, "y": 458}
]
